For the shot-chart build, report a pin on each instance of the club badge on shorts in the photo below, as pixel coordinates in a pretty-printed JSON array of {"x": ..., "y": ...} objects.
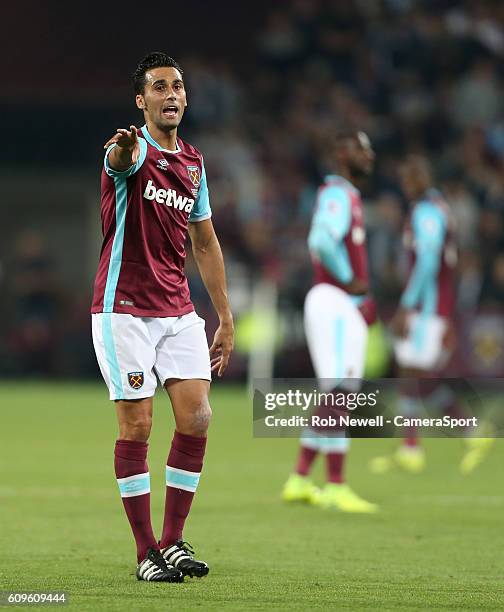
[
  {"x": 135, "y": 379},
  {"x": 194, "y": 175}
]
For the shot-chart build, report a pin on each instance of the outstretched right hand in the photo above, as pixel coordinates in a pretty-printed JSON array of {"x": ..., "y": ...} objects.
[
  {"x": 127, "y": 151},
  {"x": 126, "y": 139}
]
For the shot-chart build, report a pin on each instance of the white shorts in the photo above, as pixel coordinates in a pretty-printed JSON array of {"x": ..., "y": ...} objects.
[
  {"x": 422, "y": 348},
  {"x": 336, "y": 333},
  {"x": 131, "y": 351}
]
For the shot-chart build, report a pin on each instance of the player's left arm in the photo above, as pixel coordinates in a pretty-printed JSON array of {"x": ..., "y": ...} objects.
[
  {"x": 429, "y": 230},
  {"x": 208, "y": 256}
]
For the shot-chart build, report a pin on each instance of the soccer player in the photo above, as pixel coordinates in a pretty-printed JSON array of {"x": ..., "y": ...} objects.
[
  {"x": 153, "y": 192},
  {"x": 423, "y": 323},
  {"x": 337, "y": 311}
]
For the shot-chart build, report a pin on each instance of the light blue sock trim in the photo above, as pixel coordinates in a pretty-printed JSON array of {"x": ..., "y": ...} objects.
[
  {"x": 334, "y": 444},
  {"x": 182, "y": 479},
  {"x": 309, "y": 439},
  {"x": 134, "y": 485}
]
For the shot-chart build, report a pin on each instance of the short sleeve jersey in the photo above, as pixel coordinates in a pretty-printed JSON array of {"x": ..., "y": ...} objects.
[
  {"x": 145, "y": 213},
  {"x": 430, "y": 239},
  {"x": 339, "y": 208}
]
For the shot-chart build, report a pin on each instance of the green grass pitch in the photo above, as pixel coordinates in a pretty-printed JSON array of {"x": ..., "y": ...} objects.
[{"x": 436, "y": 543}]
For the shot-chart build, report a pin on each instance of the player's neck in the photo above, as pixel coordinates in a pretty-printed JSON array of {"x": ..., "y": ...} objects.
[
  {"x": 421, "y": 193},
  {"x": 167, "y": 140},
  {"x": 346, "y": 174}
]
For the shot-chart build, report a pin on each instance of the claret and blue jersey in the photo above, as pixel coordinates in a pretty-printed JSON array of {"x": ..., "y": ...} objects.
[
  {"x": 429, "y": 238},
  {"x": 145, "y": 214},
  {"x": 337, "y": 238}
]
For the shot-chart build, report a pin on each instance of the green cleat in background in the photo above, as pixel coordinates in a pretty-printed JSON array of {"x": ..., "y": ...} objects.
[
  {"x": 410, "y": 458},
  {"x": 341, "y": 497},
  {"x": 300, "y": 489}
]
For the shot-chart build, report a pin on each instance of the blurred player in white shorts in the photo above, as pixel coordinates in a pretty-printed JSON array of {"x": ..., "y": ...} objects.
[
  {"x": 337, "y": 312},
  {"x": 336, "y": 333},
  {"x": 423, "y": 323}
]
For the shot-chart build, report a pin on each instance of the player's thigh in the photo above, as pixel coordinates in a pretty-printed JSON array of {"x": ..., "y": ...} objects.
[
  {"x": 191, "y": 407},
  {"x": 126, "y": 355},
  {"x": 183, "y": 353},
  {"x": 183, "y": 365},
  {"x": 336, "y": 334},
  {"x": 422, "y": 348}
]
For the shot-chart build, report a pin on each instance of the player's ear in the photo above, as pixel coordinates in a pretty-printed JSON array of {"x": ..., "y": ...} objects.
[{"x": 140, "y": 102}]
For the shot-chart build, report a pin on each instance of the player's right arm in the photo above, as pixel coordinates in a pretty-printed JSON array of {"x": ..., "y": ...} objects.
[
  {"x": 331, "y": 223},
  {"x": 124, "y": 151}
]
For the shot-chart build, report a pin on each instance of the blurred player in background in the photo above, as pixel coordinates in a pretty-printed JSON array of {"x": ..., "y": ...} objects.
[
  {"x": 423, "y": 324},
  {"x": 337, "y": 311},
  {"x": 154, "y": 192}
]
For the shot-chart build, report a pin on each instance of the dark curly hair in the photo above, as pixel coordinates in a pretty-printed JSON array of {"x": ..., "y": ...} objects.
[{"x": 156, "y": 59}]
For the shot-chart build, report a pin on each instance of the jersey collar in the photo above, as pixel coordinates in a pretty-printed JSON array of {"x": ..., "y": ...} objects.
[
  {"x": 433, "y": 193},
  {"x": 152, "y": 142}
]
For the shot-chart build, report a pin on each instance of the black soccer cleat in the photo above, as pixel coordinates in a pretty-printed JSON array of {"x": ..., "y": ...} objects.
[
  {"x": 180, "y": 555},
  {"x": 154, "y": 568}
]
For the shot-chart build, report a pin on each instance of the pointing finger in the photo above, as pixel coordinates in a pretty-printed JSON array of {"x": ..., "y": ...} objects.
[{"x": 112, "y": 140}]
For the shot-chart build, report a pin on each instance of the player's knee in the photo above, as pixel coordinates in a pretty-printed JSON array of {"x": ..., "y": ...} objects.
[
  {"x": 136, "y": 428},
  {"x": 201, "y": 416}
]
